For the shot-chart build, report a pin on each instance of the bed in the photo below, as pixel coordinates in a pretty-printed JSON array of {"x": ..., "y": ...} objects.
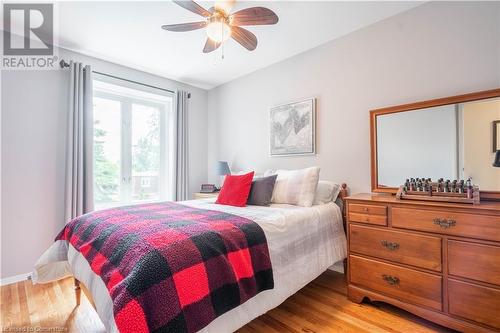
[{"x": 303, "y": 242}]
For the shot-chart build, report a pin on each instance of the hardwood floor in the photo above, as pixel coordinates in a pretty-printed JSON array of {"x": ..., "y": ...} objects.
[{"x": 320, "y": 307}]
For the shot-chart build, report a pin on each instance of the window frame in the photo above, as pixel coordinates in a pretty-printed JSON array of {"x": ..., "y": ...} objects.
[{"x": 166, "y": 190}]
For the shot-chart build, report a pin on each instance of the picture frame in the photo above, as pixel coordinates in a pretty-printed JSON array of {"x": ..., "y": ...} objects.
[
  {"x": 292, "y": 128},
  {"x": 496, "y": 135}
]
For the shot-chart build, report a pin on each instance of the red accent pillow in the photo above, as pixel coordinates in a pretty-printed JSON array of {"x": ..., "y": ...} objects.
[{"x": 235, "y": 190}]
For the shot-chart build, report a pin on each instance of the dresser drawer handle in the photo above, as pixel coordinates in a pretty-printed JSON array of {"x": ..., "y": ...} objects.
[
  {"x": 389, "y": 245},
  {"x": 444, "y": 223},
  {"x": 392, "y": 280}
]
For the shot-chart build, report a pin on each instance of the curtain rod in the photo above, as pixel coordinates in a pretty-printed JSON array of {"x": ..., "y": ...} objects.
[{"x": 65, "y": 64}]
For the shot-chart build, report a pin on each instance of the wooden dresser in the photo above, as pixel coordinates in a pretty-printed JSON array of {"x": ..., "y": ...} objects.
[{"x": 440, "y": 261}]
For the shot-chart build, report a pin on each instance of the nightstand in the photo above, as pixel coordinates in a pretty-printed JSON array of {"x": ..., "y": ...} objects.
[{"x": 199, "y": 195}]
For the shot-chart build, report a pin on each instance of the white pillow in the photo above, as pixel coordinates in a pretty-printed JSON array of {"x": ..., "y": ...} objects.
[
  {"x": 327, "y": 191},
  {"x": 296, "y": 187}
]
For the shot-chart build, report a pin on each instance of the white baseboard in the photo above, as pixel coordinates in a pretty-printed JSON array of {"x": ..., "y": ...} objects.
[{"x": 14, "y": 279}]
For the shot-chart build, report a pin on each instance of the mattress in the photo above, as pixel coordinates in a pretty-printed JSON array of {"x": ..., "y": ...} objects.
[{"x": 303, "y": 242}]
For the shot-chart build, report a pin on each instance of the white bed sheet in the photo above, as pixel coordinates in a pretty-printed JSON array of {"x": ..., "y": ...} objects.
[{"x": 303, "y": 242}]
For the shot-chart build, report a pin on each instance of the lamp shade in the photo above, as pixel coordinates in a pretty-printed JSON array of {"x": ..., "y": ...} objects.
[
  {"x": 223, "y": 168},
  {"x": 496, "y": 162}
]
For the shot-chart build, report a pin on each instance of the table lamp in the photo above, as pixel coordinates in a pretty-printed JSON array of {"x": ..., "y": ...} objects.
[{"x": 222, "y": 170}]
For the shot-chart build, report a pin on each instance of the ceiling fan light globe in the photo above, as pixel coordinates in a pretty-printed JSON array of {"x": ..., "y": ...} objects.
[{"x": 218, "y": 31}]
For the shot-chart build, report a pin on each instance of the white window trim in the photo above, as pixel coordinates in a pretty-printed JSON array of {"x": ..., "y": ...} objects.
[{"x": 165, "y": 102}]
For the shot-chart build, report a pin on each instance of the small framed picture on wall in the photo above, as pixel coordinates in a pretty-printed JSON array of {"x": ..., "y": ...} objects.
[
  {"x": 496, "y": 135},
  {"x": 292, "y": 128}
]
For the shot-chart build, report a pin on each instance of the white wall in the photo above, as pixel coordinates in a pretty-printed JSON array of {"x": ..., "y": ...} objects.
[
  {"x": 435, "y": 50},
  {"x": 33, "y": 130},
  {"x": 33, "y": 137}
]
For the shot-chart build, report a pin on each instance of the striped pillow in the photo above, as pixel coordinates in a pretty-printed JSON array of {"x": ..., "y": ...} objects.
[
  {"x": 326, "y": 191},
  {"x": 296, "y": 187}
]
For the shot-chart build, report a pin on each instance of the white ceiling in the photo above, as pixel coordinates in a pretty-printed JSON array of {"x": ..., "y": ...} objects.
[{"x": 129, "y": 33}]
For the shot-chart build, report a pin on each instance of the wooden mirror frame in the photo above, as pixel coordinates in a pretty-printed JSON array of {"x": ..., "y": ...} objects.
[{"x": 488, "y": 195}]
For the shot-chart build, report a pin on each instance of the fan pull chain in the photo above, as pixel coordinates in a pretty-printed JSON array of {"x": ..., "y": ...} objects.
[{"x": 222, "y": 46}]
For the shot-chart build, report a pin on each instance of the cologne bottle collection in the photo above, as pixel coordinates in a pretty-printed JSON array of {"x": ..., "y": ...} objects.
[
  {"x": 444, "y": 186},
  {"x": 441, "y": 190}
]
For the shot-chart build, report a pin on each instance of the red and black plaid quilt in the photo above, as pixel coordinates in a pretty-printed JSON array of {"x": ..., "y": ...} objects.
[{"x": 172, "y": 268}]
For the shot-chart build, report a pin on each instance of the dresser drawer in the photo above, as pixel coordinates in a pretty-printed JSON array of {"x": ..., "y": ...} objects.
[
  {"x": 368, "y": 209},
  {"x": 474, "y": 261},
  {"x": 478, "y": 303},
  {"x": 368, "y": 219},
  {"x": 402, "y": 247},
  {"x": 370, "y": 214},
  {"x": 447, "y": 222},
  {"x": 403, "y": 283}
]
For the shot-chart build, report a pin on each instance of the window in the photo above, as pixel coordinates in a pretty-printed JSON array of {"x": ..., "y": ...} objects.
[{"x": 133, "y": 144}]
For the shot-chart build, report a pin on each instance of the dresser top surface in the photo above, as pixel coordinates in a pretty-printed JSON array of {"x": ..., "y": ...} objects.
[{"x": 391, "y": 199}]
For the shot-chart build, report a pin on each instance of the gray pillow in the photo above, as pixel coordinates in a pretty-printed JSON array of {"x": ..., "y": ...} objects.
[{"x": 261, "y": 191}]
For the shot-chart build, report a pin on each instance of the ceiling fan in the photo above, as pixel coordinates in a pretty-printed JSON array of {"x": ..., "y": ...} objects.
[{"x": 220, "y": 24}]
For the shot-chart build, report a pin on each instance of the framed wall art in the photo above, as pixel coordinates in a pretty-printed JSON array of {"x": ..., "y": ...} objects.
[{"x": 292, "y": 128}]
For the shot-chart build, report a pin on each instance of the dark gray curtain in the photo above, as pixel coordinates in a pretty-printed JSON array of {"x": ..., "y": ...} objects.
[
  {"x": 79, "y": 158},
  {"x": 182, "y": 147}
]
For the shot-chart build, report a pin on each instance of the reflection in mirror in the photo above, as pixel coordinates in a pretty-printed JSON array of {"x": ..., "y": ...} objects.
[
  {"x": 476, "y": 142},
  {"x": 453, "y": 141}
]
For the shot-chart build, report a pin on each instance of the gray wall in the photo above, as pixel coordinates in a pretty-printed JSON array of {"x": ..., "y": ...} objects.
[
  {"x": 33, "y": 127},
  {"x": 434, "y": 50}
]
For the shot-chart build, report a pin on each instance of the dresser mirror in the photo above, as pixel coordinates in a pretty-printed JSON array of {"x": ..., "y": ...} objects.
[{"x": 451, "y": 138}]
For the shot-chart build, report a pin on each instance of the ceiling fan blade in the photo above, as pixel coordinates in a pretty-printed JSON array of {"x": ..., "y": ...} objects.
[
  {"x": 224, "y": 5},
  {"x": 244, "y": 37},
  {"x": 184, "y": 26},
  {"x": 254, "y": 16},
  {"x": 193, "y": 7},
  {"x": 210, "y": 46}
]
